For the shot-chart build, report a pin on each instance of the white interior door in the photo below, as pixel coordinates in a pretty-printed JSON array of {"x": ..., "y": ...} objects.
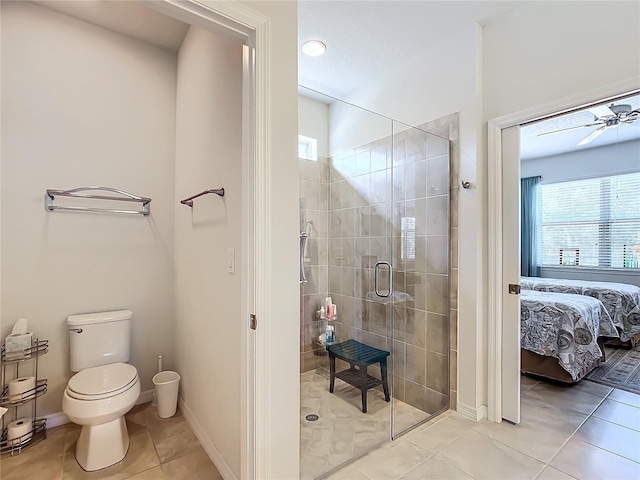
[{"x": 510, "y": 274}]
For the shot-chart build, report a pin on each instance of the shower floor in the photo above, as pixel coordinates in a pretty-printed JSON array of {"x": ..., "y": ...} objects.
[{"x": 342, "y": 431}]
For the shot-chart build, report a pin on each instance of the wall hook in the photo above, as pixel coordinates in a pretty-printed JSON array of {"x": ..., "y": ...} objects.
[{"x": 466, "y": 185}]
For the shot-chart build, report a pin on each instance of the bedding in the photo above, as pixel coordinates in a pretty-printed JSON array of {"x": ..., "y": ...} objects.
[
  {"x": 622, "y": 301},
  {"x": 564, "y": 326}
]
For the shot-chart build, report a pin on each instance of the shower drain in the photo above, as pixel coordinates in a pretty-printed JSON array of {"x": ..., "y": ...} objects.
[{"x": 312, "y": 417}]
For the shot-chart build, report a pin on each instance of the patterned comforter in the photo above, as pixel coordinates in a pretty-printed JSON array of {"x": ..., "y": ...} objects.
[
  {"x": 564, "y": 326},
  {"x": 621, "y": 300}
]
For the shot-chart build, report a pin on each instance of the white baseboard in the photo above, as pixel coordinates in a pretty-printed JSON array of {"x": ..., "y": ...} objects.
[
  {"x": 145, "y": 397},
  {"x": 57, "y": 419},
  {"x": 476, "y": 414},
  {"x": 214, "y": 454}
]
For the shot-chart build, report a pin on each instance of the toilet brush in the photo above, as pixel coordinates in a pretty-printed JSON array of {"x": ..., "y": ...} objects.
[{"x": 154, "y": 401}]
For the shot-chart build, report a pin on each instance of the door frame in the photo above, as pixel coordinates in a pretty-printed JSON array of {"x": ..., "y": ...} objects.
[
  {"x": 495, "y": 222},
  {"x": 254, "y": 30}
]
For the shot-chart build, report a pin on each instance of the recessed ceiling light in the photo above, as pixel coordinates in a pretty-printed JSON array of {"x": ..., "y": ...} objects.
[{"x": 313, "y": 48}]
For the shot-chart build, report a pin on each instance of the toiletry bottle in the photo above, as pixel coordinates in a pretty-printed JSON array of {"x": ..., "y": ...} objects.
[
  {"x": 322, "y": 313},
  {"x": 329, "y": 336}
]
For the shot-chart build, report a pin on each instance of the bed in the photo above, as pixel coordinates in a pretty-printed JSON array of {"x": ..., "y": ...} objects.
[
  {"x": 622, "y": 301},
  {"x": 560, "y": 334}
]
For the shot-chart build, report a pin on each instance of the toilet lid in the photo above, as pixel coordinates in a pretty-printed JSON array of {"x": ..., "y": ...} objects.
[{"x": 102, "y": 381}]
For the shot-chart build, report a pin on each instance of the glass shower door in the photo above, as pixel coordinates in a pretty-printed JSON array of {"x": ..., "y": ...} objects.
[
  {"x": 420, "y": 253},
  {"x": 374, "y": 216},
  {"x": 345, "y": 214}
]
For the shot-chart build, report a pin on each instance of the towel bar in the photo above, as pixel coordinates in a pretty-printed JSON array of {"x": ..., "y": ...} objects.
[{"x": 77, "y": 193}]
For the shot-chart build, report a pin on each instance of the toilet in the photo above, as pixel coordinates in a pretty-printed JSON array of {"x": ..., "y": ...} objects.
[{"x": 105, "y": 387}]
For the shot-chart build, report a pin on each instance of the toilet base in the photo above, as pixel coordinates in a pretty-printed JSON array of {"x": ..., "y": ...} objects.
[{"x": 100, "y": 446}]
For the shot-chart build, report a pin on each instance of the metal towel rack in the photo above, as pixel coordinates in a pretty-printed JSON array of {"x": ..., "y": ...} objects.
[
  {"x": 189, "y": 201},
  {"x": 77, "y": 193}
]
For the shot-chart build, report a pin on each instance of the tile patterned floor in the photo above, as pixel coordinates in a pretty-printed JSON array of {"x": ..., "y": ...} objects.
[
  {"x": 582, "y": 432},
  {"x": 159, "y": 449},
  {"x": 585, "y": 431},
  {"x": 343, "y": 432}
]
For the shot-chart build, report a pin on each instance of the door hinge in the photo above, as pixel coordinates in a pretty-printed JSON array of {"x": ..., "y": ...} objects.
[
  {"x": 252, "y": 321},
  {"x": 514, "y": 288}
]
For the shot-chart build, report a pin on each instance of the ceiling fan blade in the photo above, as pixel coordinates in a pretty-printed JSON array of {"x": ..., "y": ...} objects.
[
  {"x": 570, "y": 128},
  {"x": 602, "y": 111},
  {"x": 593, "y": 135}
]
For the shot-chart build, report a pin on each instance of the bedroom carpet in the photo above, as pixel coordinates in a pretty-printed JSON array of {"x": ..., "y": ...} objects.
[{"x": 620, "y": 370}]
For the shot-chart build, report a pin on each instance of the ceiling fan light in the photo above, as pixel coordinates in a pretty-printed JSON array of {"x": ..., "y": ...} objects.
[{"x": 313, "y": 48}]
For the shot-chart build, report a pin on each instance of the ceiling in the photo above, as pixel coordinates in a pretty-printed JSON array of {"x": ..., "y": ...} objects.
[
  {"x": 533, "y": 146},
  {"x": 365, "y": 39},
  {"x": 126, "y": 17}
]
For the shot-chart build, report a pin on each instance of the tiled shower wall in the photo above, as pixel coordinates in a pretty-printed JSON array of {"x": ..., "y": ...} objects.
[
  {"x": 314, "y": 208},
  {"x": 448, "y": 127},
  {"x": 358, "y": 210}
]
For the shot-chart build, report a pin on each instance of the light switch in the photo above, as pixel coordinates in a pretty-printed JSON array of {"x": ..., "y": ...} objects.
[{"x": 231, "y": 260}]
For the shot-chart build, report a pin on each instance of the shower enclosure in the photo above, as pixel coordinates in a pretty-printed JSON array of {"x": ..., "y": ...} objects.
[{"x": 375, "y": 237}]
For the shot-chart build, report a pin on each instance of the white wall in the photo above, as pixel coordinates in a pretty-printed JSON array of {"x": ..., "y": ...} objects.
[
  {"x": 85, "y": 106},
  {"x": 440, "y": 81},
  {"x": 545, "y": 51},
  {"x": 352, "y": 127},
  {"x": 313, "y": 122},
  {"x": 613, "y": 159},
  {"x": 208, "y": 299}
]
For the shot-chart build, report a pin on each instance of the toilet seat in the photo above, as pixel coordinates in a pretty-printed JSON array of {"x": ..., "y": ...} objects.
[{"x": 101, "y": 382}]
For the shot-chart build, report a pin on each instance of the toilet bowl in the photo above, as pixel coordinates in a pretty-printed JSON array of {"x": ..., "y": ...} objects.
[{"x": 98, "y": 398}]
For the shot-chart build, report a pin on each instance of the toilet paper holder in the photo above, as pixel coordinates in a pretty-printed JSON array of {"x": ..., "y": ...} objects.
[{"x": 15, "y": 366}]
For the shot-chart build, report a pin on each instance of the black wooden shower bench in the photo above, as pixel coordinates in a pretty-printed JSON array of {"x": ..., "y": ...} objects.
[{"x": 359, "y": 356}]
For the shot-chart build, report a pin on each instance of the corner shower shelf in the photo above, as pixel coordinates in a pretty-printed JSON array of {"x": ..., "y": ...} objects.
[{"x": 15, "y": 361}]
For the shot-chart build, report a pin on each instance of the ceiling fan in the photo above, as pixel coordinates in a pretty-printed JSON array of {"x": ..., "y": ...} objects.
[{"x": 606, "y": 117}]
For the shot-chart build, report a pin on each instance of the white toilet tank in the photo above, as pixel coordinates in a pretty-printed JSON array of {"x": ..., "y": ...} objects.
[{"x": 99, "y": 338}]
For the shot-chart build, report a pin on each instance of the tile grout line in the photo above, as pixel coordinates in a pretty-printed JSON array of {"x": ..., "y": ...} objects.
[
  {"x": 576, "y": 431},
  {"x": 607, "y": 450},
  {"x": 508, "y": 446},
  {"x": 443, "y": 459}
]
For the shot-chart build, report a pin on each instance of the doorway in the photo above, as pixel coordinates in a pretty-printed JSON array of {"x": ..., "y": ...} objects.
[
  {"x": 504, "y": 260},
  {"x": 140, "y": 250}
]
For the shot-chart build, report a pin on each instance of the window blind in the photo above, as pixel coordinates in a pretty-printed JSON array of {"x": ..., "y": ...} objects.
[{"x": 591, "y": 223}]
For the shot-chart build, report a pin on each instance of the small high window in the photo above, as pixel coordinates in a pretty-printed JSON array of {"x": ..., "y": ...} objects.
[{"x": 307, "y": 148}]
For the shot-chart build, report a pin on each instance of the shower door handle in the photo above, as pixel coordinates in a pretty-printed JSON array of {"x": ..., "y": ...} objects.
[
  {"x": 304, "y": 236},
  {"x": 377, "y": 278}
]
